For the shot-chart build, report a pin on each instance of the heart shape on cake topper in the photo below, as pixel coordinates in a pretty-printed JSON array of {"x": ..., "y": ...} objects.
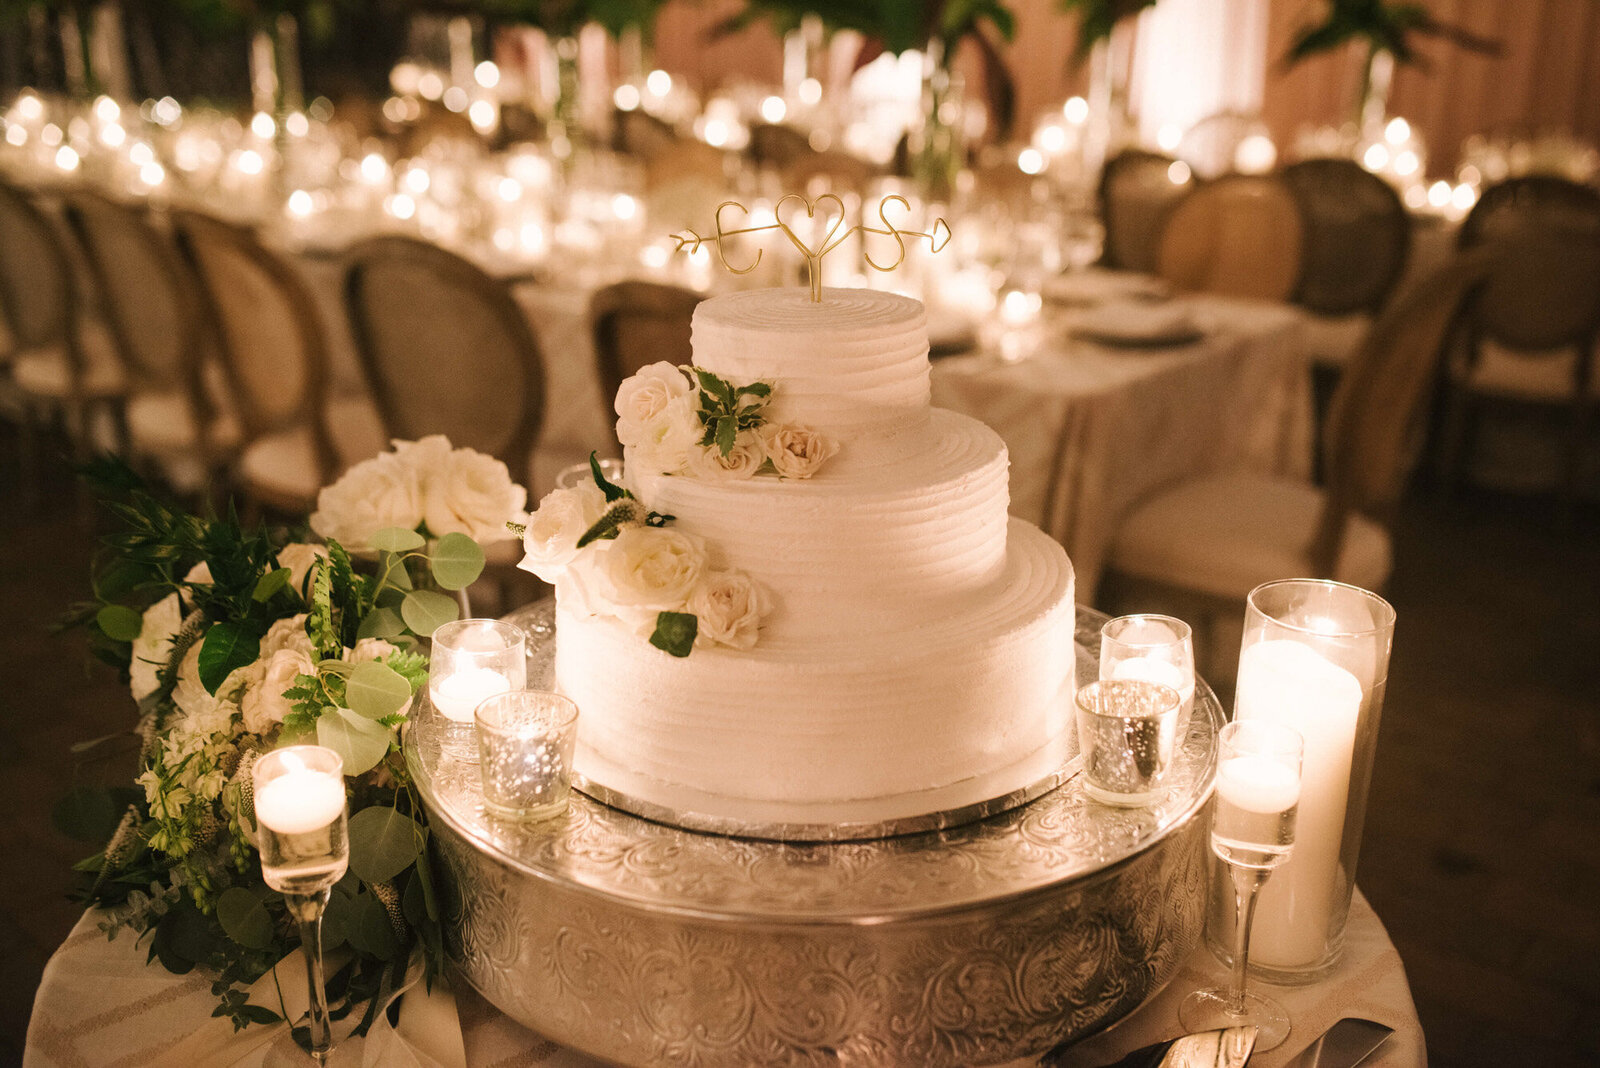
[{"x": 834, "y": 235}]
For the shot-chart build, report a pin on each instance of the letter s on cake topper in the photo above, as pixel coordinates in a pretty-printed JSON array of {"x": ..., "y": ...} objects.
[{"x": 835, "y": 235}]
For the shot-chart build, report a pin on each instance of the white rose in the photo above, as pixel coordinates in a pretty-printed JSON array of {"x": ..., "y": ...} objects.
[
  {"x": 287, "y": 633},
  {"x": 373, "y": 495},
  {"x": 644, "y": 396},
  {"x": 796, "y": 451},
  {"x": 730, "y": 606},
  {"x": 190, "y": 694},
  {"x": 650, "y": 568},
  {"x": 264, "y": 705},
  {"x": 472, "y": 494},
  {"x": 742, "y": 461},
  {"x": 370, "y": 649},
  {"x": 666, "y": 439},
  {"x": 550, "y": 541},
  {"x": 153, "y": 647},
  {"x": 425, "y": 455},
  {"x": 199, "y": 575},
  {"x": 297, "y": 558}
]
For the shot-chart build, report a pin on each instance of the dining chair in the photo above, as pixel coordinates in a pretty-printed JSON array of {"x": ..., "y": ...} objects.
[
  {"x": 1357, "y": 236},
  {"x": 1212, "y": 145},
  {"x": 63, "y": 363},
  {"x": 1530, "y": 331},
  {"x": 1197, "y": 548},
  {"x": 1137, "y": 189},
  {"x": 640, "y": 134},
  {"x": 294, "y": 438},
  {"x": 1239, "y": 236},
  {"x": 634, "y": 324},
  {"x": 150, "y": 299}
]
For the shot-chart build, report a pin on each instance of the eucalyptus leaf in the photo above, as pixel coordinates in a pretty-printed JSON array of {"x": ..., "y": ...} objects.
[
  {"x": 119, "y": 622},
  {"x": 396, "y": 540},
  {"x": 370, "y": 931},
  {"x": 414, "y": 902},
  {"x": 393, "y": 572},
  {"x": 336, "y": 919},
  {"x": 425, "y": 611},
  {"x": 383, "y": 843},
  {"x": 382, "y": 622},
  {"x": 374, "y": 690},
  {"x": 269, "y": 585},
  {"x": 244, "y": 918},
  {"x": 228, "y": 646},
  {"x": 457, "y": 561},
  {"x": 360, "y": 742}
]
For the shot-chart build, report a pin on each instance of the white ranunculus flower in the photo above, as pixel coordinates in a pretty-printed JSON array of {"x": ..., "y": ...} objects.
[
  {"x": 153, "y": 647},
  {"x": 796, "y": 451},
  {"x": 550, "y": 541},
  {"x": 288, "y": 633},
  {"x": 370, "y": 649},
  {"x": 471, "y": 493},
  {"x": 650, "y": 568},
  {"x": 425, "y": 455},
  {"x": 298, "y": 557},
  {"x": 645, "y": 395},
  {"x": 666, "y": 440},
  {"x": 730, "y": 606},
  {"x": 199, "y": 574},
  {"x": 382, "y": 492},
  {"x": 742, "y": 461},
  {"x": 264, "y": 705}
]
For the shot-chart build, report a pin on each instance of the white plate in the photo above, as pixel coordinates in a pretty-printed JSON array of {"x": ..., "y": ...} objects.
[{"x": 1138, "y": 324}]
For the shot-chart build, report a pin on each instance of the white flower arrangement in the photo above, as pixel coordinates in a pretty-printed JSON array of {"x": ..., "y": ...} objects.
[
  {"x": 615, "y": 557},
  {"x": 675, "y": 420}
]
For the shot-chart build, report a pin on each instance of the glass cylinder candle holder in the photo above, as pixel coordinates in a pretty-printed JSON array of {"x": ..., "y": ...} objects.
[
  {"x": 1315, "y": 657},
  {"x": 525, "y": 743},
  {"x": 471, "y": 660},
  {"x": 580, "y": 474},
  {"x": 1127, "y": 735},
  {"x": 1151, "y": 648}
]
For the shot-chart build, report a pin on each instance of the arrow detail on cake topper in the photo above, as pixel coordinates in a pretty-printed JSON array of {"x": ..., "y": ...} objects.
[{"x": 938, "y": 237}]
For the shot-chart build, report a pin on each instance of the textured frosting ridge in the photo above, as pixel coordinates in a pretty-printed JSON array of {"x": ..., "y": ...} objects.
[{"x": 854, "y": 365}]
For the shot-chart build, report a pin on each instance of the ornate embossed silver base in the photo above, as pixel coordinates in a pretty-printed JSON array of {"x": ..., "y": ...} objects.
[{"x": 646, "y": 944}]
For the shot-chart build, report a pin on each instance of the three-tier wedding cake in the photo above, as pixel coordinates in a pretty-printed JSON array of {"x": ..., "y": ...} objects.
[{"x": 870, "y": 638}]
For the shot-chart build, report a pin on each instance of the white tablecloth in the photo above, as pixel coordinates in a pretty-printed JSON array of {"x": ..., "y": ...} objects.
[
  {"x": 100, "y": 1005},
  {"x": 1092, "y": 429}
]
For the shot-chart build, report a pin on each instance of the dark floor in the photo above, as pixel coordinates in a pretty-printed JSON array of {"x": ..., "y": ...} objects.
[{"x": 1482, "y": 847}]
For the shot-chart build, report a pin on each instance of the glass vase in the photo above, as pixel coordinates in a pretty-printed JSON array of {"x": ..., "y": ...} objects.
[
  {"x": 1315, "y": 657},
  {"x": 938, "y": 147}
]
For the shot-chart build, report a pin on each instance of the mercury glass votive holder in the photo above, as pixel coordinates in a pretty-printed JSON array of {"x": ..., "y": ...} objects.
[
  {"x": 1315, "y": 657},
  {"x": 472, "y": 660},
  {"x": 1127, "y": 736},
  {"x": 525, "y": 743}
]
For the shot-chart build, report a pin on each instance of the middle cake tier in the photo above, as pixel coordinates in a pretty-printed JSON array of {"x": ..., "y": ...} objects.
[{"x": 863, "y": 545}]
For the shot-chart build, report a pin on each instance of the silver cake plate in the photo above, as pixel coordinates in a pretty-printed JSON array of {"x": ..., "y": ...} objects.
[
  {"x": 1043, "y": 771},
  {"x": 642, "y": 943}
]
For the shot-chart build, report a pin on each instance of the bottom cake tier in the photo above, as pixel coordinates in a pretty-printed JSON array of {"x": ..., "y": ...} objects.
[{"x": 968, "y": 705}]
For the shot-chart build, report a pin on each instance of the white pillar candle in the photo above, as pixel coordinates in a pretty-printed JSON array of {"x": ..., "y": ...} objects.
[
  {"x": 300, "y": 801},
  {"x": 459, "y": 694},
  {"x": 1288, "y": 682}
]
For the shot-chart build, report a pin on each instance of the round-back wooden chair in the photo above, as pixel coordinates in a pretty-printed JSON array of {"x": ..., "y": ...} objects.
[
  {"x": 1357, "y": 236},
  {"x": 1137, "y": 190},
  {"x": 1239, "y": 235},
  {"x": 635, "y": 324}
]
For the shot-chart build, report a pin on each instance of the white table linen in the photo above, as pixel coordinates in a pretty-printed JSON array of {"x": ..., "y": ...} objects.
[{"x": 101, "y": 1005}]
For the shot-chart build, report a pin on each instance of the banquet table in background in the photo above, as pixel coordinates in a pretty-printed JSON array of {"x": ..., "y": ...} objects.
[
  {"x": 1092, "y": 429},
  {"x": 100, "y": 1004}
]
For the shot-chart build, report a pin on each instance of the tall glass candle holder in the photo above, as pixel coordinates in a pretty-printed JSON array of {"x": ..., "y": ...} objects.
[
  {"x": 472, "y": 660},
  {"x": 305, "y": 849},
  {"x": 1315, "y": 657}
]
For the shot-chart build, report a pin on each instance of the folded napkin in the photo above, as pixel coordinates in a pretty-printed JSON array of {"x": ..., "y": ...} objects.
[{"x": 1138, "y": 323}]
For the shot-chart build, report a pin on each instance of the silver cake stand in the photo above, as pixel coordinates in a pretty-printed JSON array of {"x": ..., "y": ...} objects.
[{"x": 647, "y": 944}]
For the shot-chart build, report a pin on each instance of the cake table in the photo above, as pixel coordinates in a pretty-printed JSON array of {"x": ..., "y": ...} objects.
[{"x": 644, "y": 943}]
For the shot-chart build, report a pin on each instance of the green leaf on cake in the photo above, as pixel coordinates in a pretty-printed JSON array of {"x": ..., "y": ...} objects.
[
  {"x": 608, "y": 526},
  {"x": 227, "y": 646},
  {"x": 715, "y": 387},
  {"x": 425, "y": 611},
  {"x": 727, "y": 433},
  {"x": 612, "y": 491},
  {"x": 675, "y": 632},
  {"x": 395, "y": 540},
  {"x": 457, "y": 561}
]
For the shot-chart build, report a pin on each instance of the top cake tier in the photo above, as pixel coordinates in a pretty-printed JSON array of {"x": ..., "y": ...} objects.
[{"x": 852, "y": 366}]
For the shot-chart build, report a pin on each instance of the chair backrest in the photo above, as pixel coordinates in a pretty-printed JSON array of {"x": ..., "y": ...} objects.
[
  {"x": 1211, "y": 145},
  {"x": 265, "y": 328},
  {"x": 638, "y": 323},
  {"x": 778, "y": 146},
  {"x": 37, "y": 291},
  {"x": 149, "y": 294},
  {"x": 640, "y": 134},
  {"x": 1239, "y": 236},
  {"x": 1546, "y": 295},
  {"x": 445, "y": 348},
  {"x": 1137, "y": 189},
  {"x": 1375, "y": 423},
  {"x": 1357, "y": 236}
]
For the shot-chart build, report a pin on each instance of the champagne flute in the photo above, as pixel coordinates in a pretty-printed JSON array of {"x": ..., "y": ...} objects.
[
  {"x": 1258, "y": 794},
  {"x": 301, "y": 823}
]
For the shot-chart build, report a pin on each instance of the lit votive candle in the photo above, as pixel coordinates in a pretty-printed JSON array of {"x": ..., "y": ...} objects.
[
  {"x": 457, "y": 696},
  {"x": 299, "y": 801}
]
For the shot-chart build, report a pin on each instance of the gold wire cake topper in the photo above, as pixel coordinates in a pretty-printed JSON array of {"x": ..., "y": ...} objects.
[{"x": 836, "y": 235}]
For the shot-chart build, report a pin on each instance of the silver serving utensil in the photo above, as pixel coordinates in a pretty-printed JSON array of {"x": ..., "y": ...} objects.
[
  {"x": 1344, "y": 1045},
  {"x": 1227, "y": 1048}
]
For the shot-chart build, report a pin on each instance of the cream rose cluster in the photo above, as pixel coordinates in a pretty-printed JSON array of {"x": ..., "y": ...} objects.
[{"x": 451, "y": 490}]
